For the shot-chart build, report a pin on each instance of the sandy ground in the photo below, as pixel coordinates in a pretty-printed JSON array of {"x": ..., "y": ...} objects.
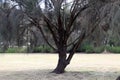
[{"x": 39, "y": 66}]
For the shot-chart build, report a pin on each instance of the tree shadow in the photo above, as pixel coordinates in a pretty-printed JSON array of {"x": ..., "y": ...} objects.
[{"x": 68, "y": 75}]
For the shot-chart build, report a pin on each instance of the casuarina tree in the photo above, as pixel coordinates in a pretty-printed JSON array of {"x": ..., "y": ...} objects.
[{"x": 61, "y": 18}]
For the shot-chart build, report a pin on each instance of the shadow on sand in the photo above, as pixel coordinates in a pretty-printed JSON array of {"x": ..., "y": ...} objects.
[{"x": 46, "y": 75}]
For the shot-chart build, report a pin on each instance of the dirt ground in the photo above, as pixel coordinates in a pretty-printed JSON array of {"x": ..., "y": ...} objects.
[{"x": 39, "y": 66}]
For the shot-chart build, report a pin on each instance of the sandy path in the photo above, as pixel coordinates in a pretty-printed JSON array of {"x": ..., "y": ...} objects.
[
  {"x": 38, "y": 66},
  {"x": 18, "y": 62}
]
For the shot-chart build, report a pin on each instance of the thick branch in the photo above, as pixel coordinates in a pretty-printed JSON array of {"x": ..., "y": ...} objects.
[
  {"x": 72, "y": 19},
  {"x": 76, "y": 45},
  {"x": 38, "y": 26},
  {"x": 73, "y": 42},
  {"x": 46, "y": 38},
  {"x": 49, "y": 25}
]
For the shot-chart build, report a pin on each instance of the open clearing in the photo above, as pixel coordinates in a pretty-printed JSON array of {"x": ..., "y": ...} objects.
[{"x": 38, "y": 66}]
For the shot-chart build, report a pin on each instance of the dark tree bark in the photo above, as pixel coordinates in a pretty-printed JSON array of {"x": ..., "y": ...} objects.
[
  {"x": 62, "y": 62},
  {"x": 118, "y": 78}
]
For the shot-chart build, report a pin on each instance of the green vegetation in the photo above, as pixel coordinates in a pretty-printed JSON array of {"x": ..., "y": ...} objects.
[
  {"x": 40, "y": 49},
  {"x": 89, "y": 48},
  {"x": 0, "y": 50},
  {"x": 115, "y": 49},
  {"x": 16, "y": 50},
  {"x": 47, "y": 49},
  {"x": 43, "y": 49},
  {"x": 92, "y": 49},
  {"x": 99, "y": 49}
]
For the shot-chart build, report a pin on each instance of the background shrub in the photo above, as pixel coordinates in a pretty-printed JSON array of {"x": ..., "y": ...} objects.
[
  {"x": 43, "y": 49},
  {"x": 1, "y": 50},
  {"x": 115, "y": 49},
  {"x": 87, "y": 48},
  {"x": 99, "y": 49},
  {"x": 16, "y": 50}
]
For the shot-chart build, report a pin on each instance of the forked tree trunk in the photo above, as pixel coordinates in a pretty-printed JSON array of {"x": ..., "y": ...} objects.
[
  {"x": 61, "y": 65},
  {"x": 62, "y": 61},
  {"x": 5, "y": 46}
]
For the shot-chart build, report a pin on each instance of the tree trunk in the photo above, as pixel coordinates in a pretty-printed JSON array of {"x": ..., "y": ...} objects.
[
  {"x": 62, "y": 61},
  {"x": 5, "y": 46}
]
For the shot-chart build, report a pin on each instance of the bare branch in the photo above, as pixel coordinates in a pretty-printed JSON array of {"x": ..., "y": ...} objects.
[
  {"x": 49, "y": 25},
  {"x": 73, "y": 42},
  {"x": 43, "y": 34},
  {"x": 73, "y": 19},
  {"x": 75, "y": 46},
  {"x": 46, "y": 38}
]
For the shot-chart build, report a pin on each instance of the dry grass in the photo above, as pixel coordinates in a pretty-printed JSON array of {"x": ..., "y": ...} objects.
[{"x": 38, "y": 66}]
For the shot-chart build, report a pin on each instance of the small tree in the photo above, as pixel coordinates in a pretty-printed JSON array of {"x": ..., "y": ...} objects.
[{"x": 60, "y": 18}]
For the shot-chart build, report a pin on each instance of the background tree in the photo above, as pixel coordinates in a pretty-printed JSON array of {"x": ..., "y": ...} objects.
[
  {"x": 110, "y": 15},
  {"x": 11, "y": 30}
]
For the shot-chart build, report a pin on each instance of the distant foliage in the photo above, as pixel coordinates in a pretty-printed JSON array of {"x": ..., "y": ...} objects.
[
  {"x": 43, "y": 49},
  {"x": 89, "y": 48},
  {"x": 113, "y": 49},
  {"x": 16, "y": 50},
  {"x": 1, "y": 50}
]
